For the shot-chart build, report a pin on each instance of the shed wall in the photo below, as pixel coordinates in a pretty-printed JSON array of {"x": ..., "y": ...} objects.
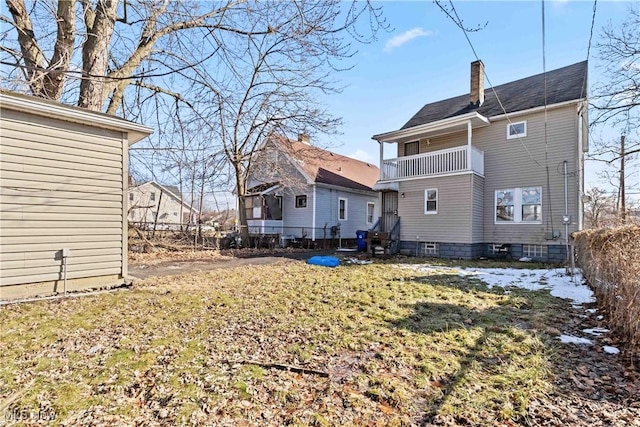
[{"x": 61, "y": 187}]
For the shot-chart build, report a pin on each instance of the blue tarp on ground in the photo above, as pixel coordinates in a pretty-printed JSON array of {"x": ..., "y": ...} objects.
[{"x": 325, "y": 261}]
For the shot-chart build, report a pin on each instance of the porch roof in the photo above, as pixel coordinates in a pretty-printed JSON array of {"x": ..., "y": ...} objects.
[{"x": 449, "y": 125}]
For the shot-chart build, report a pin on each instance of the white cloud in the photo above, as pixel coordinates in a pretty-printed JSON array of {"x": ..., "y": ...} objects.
[
  {"x": 405, "y": 37},
  {"x": 363, "y": 156}
]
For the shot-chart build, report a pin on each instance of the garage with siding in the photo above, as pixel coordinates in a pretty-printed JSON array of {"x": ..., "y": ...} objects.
[{"x": 63, "y": 189}]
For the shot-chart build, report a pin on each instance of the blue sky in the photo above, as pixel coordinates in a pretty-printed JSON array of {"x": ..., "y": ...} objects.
[{"x": 426, "y": 58}]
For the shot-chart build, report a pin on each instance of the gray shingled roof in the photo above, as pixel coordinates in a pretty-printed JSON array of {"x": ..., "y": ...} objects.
[{"x": 564, "y": 84}]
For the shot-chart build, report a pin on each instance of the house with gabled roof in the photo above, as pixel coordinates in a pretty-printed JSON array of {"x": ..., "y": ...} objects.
[
  {"x": 299, "y": 191},
  {"x": 497, "y": 171},
  {"x": 161, "y": 206}
]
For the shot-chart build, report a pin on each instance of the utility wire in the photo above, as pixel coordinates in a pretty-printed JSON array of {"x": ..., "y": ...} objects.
[
  {"x": 546, "y": 140},
  {"x": 459, "y": 24},
  {"x": 593, "y": 20}
]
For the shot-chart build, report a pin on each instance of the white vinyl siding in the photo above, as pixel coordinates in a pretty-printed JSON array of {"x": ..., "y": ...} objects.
[
  {"x": 477, "y": 215},
  {"x": 509, "y": 165},
  {"x": 62, "y": 187},
  {"x": 453, "y": 222},
  {"x": 327, "y": 211}
]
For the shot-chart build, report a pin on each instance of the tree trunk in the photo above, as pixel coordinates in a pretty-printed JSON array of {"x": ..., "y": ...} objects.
[
  {"x": 33, "y": 57},
  {"x": 95, "y": 53},
  {"x": 242, "y": 213}
]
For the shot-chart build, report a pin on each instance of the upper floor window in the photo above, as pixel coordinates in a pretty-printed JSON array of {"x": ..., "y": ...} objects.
[
  {"x": 519, "y": 205},
  {"x": 431, "y": 201},
  {"x": 516, "y": 129},
  {"x": 153, "y": 196},
  {"x": 411, "y": 148},
  {"x": 342, "y": 209},
  {"x": 131, "y": 197},
  {"x": 301, "y": 201},
  {"x": 371, "y": 207}
]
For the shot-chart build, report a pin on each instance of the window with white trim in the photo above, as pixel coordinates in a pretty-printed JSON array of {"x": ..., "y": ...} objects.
[
  {"x": 534, "y": 251},
  {"x": 301, "y": 201},
  {"x": 371, "y": 208},
  {"x": 516, "y": 129},
  {"x": 153, "y": 196},
  {"x": 430, "y": 248},
  {"x": 131, "y": 197},
  {"x": 431, "y": 201},
  {"x": 342, "y": 209},
  {"x": 518, "y": 205}
]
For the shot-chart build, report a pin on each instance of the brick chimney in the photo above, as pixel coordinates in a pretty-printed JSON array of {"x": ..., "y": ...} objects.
[
  {"x": 477, "y": 83},
  {"x": 304, "y": 138}
]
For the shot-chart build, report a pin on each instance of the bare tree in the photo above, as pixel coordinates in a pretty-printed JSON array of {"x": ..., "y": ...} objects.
[
  {"x": 599, "y": 210},
  {"x": 238, "y": 70},
  {"x": 616, "y": 99},
  {"x": 274, "y": 87}
]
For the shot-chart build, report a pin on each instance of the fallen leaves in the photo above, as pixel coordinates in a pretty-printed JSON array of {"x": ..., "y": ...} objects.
[{"x": 294, "y": 344}]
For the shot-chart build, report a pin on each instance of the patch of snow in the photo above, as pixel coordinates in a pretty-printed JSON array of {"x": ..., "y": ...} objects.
[
  {"x": 592, "y": 310},
  {"x": 570, "y": 339},
  {"x": 610, "y": 350},
  {"x": 525, "y": 259},
  {"x": 600, "y": 317},
  {"x": 358, "y": 261},
  {"x": 555, "y": 280},
  {"x": 595, "y": 331}
]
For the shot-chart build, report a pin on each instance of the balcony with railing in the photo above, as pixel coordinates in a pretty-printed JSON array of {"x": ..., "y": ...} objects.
[{"x": 434, "y": 163}]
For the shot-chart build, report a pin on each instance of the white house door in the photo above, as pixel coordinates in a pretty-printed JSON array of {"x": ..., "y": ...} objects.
[{"x": 389, "y": 210}]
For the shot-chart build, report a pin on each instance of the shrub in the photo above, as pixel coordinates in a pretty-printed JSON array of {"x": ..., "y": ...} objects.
[{"x": 610, "y": 259}]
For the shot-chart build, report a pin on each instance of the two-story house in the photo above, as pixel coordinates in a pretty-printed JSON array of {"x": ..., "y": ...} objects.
[
  {"x": 151, "y": 203},
  {"x": 497, "y": 169},
  {"x": 298, "y": 191}
]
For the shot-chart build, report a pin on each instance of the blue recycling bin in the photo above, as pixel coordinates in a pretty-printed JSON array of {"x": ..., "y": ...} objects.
[{"x": 361, "y": 240}]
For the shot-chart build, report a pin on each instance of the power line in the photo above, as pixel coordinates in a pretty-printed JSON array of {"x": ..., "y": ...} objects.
[
  {"x": 593, "y": 20},
  {"x": 459, "y": 24},
  {"x": 546, "y": 140}
]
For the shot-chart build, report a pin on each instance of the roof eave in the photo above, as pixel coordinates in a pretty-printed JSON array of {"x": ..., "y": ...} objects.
[
  {"x": 477, "y": 120},
  {"x": 48, "y": 108},
  {"x": 538, "y": 109}
]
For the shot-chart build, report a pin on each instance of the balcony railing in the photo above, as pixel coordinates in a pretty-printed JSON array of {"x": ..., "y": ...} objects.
[{"x": 434, "y": 163}]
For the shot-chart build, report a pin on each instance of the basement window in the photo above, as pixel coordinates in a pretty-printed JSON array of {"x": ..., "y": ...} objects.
[
  {"x": 534, "y": 251},
  {"x": 431, "y": 248}
]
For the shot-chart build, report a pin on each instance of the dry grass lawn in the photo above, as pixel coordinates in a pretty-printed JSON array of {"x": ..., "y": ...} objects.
[{"x": 375, "y": 345}]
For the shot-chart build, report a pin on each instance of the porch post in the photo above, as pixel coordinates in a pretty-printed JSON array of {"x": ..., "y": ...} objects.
[
  {"x": 469, "y": 133},
  {"x": 381, "y": 158}
]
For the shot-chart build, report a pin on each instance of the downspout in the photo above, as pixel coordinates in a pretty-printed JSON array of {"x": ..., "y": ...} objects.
[
  {"x": 313, "y": 216},
  {"x": 580, "y": 163},
  {"x": 566, "y": 219}
]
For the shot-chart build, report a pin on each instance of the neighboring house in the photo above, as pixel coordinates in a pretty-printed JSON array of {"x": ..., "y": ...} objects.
[
  {"x": 151, "y": 200},
  {"x": 496, "y": 170},
  {"x": 63, "y": 196},
  {"x": 301, "y": 191}
]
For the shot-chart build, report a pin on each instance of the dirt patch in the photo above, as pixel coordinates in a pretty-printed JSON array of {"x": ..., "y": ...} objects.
[{"x": 143, "y": 266}]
